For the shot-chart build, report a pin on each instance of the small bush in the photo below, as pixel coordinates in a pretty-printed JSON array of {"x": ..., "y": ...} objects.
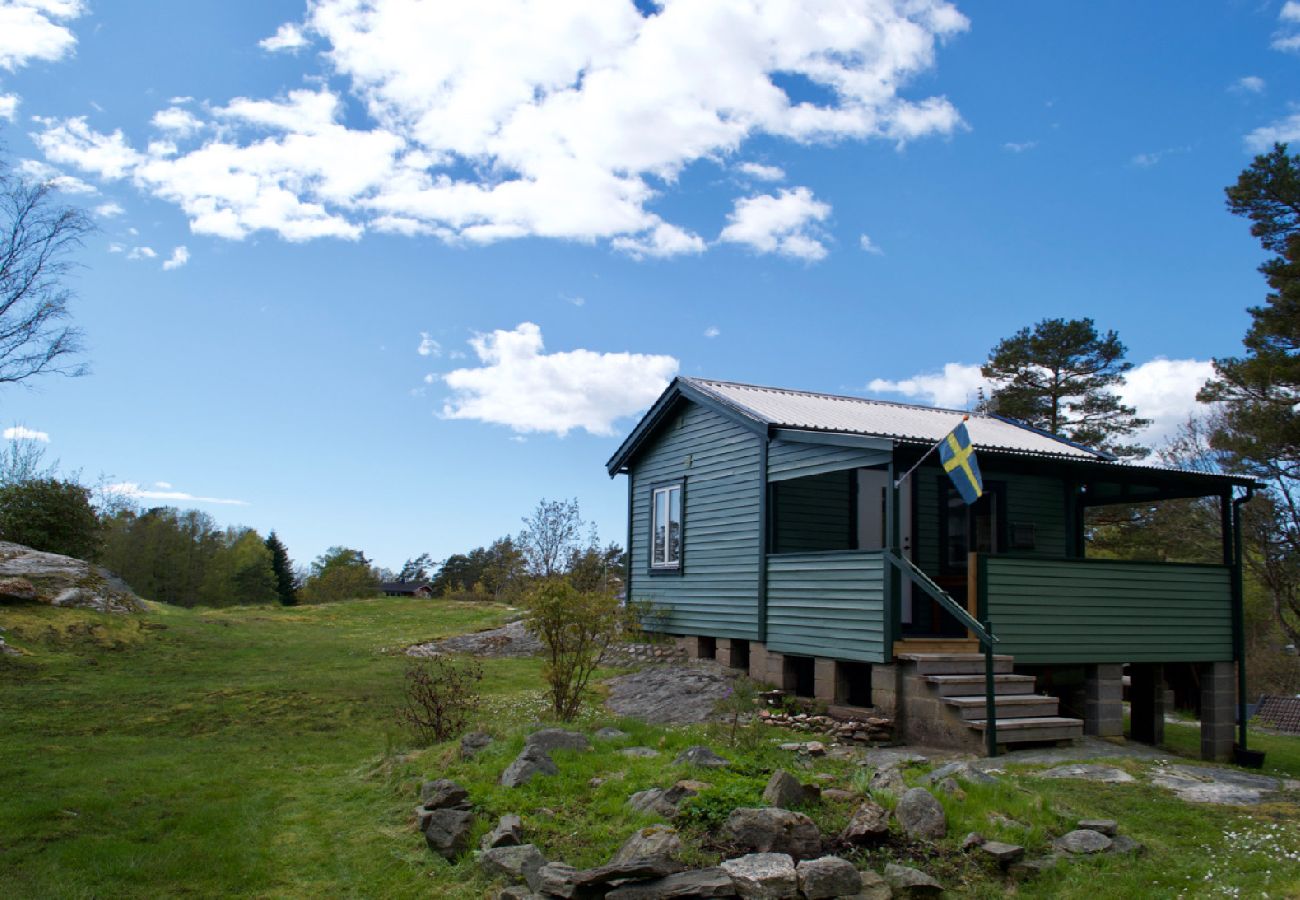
[
  {"x": 50, "y": 515},
  {"x": 441, "y": 695},
  {"x": 575, "y": 627},
  {"x": 737, "y": 704},
  {"x": 709, "y": 809}
]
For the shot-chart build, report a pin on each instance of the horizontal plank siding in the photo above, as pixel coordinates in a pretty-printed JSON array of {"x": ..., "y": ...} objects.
[
  {"x": 827, "y": 604},
  {"x": 1099, "y": 611},
  {"x": 793, "y": 459},
  {"x": 716, "y": 593}
]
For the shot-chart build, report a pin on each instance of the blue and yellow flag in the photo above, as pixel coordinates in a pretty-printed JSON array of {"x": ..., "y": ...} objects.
[{"x": 958, "y": 458}]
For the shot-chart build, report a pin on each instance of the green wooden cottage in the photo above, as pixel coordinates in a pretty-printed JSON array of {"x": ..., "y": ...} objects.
[{"x": 766, "y": 528}]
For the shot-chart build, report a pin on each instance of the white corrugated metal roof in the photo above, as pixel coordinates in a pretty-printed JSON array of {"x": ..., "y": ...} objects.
[{"x": 855, "y": 415}]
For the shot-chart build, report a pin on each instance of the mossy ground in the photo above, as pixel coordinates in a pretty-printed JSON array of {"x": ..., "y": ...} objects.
[{"x": 254, "y": 752}]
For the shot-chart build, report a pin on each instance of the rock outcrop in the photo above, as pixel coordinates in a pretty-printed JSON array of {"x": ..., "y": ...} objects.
[{"x": 28, "y": 575}]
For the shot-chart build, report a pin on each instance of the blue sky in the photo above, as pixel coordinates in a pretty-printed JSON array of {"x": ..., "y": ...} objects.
[{"x": 565, "y": 204}]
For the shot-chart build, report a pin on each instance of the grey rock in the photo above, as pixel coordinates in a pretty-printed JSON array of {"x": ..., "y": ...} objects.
[
  {"x": 530, "y": 762},
  {"x": 552, "y": 739},
  {"x": 655, "y": 842},
  {"x": 1209, "y": 784},
  {"x": 921, "y": 815},
  {"x": 884, "y": 759},
  {"x": 1122, "y": 844},
  {"x": 701, "y": 756},
  {"x": 640, "y": 752},
  {"x": 518, "y": 892},
  {"x": 826, "y": 877},
  {"x": 909, "y": 882},
  {"x": 889, "y": 780},
  {"x": 874, "y": 887},
  {"x": 869, "y": 824},
  {"x": 1004, "y": 854},
  {"x": 1090, "y": 772},
  {"x": 973, "y": 840},
  {"x": 670, "y": 695},
  {"x": 711, "y": 882},
  {"x": 33, "y": 575},
  {"x": 519, "y": 863},
  {"x": 610, "y": 734},
  {"x": 556, "y": 879},
  {"x": 654, "y": 801},
  {"x": 839, "y": 795},
  {"x": 474, "y": 743},
  {"x": 784, "y": 790},
  {"x": 1108, "y": 827},
  {"x": 771, "y": 830},
  {"x": 1083, "y": 841},
  {"x": 1029, "y": 868},
  {"x": 960, "y": 770},
  {"x": 447, "y": 831},
  {"x": 950, "y": 787},
  {"x": 588, "y": 882},
  {"x": 442, "y": 794},
  {"x": 513, "y": 640},
  {"x": 763, "y": 876},
  {"x": 17, "y": 589},
  {"x": 509, "y": 831}
]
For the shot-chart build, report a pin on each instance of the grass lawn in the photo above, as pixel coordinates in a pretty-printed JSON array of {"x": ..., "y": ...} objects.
[{"x": 254, "y": 752}]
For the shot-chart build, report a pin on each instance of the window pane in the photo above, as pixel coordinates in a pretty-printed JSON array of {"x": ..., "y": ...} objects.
[
  {"x": 674, "y": 525},
  {"x": 660, "y": 528}
]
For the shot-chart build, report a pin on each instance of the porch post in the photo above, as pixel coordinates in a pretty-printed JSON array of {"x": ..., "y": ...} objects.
[
  {"x": 764, "y": 531},
  {"x": 1239, "y": 617},
  {"x": 894, "y": 591}
]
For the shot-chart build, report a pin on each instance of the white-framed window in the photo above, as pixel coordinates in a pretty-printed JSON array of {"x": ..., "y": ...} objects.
[{"x": 666, "y": 527}]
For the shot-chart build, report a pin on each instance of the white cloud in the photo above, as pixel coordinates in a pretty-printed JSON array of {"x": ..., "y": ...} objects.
[
  {"x": 1285, "y": 130},
  {"x": 521, "y": 386},
  {"x": 108, "y": 210},
  {"x": 870, "y": 246},
  {"x": 430, "y": 378},
  {"x": 133, "y": 490},
  {"x": 1154, "y": 158},
  {"x": 1288, "y": 39},
  {"x": 180, "y": 256},
  {"x": 503, "y": 118},
  {"x": 778, "y": 224},
  {"x": 177, "y": 122},
  {"x": 1249, "y": 84},
  {"x": 1290, "y": 12},
  {"x": 1162, "y": 390},
  {"x": 141, "y": 253},
  {"x": 164, "y": 485},
  {"x": 8, "y": 106},
  {"x": 115, "y": 247},
  {"x": 23, "y": 433},
  {"x": 287, "y": 37},
  {"x": 428, "y": 346},
  {"x": 30, "y": 30},
  {"x": 712, "y": 331},
  {"x": 37, "y": 171},
  {"x": 762, "y": 172},
  {"x": 576, "y": 301},
  {"x": 1021, "y": 147}
]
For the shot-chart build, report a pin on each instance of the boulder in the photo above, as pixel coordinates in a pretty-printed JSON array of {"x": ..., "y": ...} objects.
[
  {"x": 829, "y": 876},
  {"x": 447, "y": 831},
  {"x": 640, "y": 752},
  {"x": 711, "y": 882},
  {"x": 474, "y": 743},
  {"x": 589, "y": 880},
  {"x": 869, "y": 824},
  {"x": 874, "y": 887},
  {"x": 763, "y": 876},
  {"x": 960, "y": 770},
  {"x": 518, "y": 892},
  {"x": 610, "y": 734},
  {"x": 1108, "y": 827},
  {"x": 1003, "y": 854},
  {"x": 1083, "y": 841},
  {"x": 973, "y": 840},
  {"x": 519, "y": 863},
  {"x": 784, "y": 790},
  {"x": 1091, "y": 772},
  {"x": 556, "y": 879},
  {"x": 921, "y": 815},
  {"x": 701, "y": 756},
  {"x": 34, "y": 576},
  {"x": 653, "y": 801},
  {"x": 509, "y": 832},
  {"x": 839, "y": 795},
  {"x": 771, "y": 830},
  {"x": 442, "y": 794},
  {"x": 655, "y": 842},
  {"x": 950, "y": 787},
  {"x": 530, "y": 762},
  {"x": 552, "y": 739},
  {"x": 889, "y": 780},
  {"x": 909, "y": 882}
]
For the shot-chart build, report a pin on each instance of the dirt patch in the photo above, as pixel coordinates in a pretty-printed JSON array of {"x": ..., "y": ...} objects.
[
  {"x": 670, "y": 695},
  {"x": 512, "y": 640}
]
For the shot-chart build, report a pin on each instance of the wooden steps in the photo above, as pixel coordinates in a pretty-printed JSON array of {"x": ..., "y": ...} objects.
[
  {"x": 1038, "y": 728},
  {"x": 956, "y": 663},
  {"x": 1020, "y": 706},
  {"x": 973, "y": 685}
]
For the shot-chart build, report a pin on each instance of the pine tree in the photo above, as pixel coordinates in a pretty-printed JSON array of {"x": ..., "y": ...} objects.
[
  {"x": 1060, "y": 376},
  {"x": 282, "y": 566}
]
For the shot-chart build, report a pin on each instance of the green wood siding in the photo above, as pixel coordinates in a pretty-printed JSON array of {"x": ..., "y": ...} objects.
[
  {"x": 793, "y": 459},
  {"x": 1100, "y": 611},
  {"x": 815, "y": 513},
  {"x": 716, "y": 593},
  {"x": 827, "y": 604}
]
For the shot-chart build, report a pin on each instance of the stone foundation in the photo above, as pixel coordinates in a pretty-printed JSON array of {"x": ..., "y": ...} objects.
[
  {"x": 1218, "y": 709},
  {"x": 1103, "y": 701}
]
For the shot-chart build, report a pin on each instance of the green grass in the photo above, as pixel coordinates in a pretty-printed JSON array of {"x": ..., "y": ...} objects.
[
  {"x": 1282, "y": 752},
  {"x": 254, "y": 752}
]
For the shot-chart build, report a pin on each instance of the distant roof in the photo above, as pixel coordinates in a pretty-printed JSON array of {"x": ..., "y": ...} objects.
[
  {"x": 807, "y": 411},
  {"x": 410, "y": 586}
]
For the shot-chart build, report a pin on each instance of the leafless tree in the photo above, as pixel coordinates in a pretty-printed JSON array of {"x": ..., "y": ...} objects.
[
  {"x": 551, "y": 536},
  {"x": 37, "y": 237}
]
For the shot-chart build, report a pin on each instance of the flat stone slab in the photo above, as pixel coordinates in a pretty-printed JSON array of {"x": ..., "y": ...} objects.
[
  {"x": 669, "y": 695},
  {"x": 1089, "y": 772},
  {"x": 1083, "y": 841},
  {"x": 639, "y": 752},
  {"x": 1211, "y": 784},
  {"x": 877, "y": 758},
  {"x": 909, "y": 882},
  {"x": 711, "y": 882},
  {"x": 1108, "y": 827},
  {"x": 763, "y": 876},
  {"x": 1004, "y": 854},
  {"x": 513, "y": 640}
]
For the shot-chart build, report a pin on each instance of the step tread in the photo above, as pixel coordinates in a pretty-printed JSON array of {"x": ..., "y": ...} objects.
[
  {"x": 1005, "y": 677},
  {"x": 1028, "y": 723},
  {"x": 952, "y": 657},
  {"x": 1003, "y": 700}
]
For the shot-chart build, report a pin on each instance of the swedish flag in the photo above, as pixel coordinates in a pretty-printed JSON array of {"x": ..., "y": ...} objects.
[{"x": 958, "y": 458}]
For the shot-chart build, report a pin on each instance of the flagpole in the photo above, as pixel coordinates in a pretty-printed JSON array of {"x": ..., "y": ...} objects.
[{"x": 901, "y": 478}]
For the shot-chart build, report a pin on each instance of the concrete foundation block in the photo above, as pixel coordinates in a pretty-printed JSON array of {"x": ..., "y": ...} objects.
[
  {"x": 1218, "y": 710},
  {"x": 758, "y": 663},
  {"x": 1103, "y": 709},
  {"x": 824, "y": 683},
  {"x": 692, "y": 646},
  {"x": 722, "y": 652}
]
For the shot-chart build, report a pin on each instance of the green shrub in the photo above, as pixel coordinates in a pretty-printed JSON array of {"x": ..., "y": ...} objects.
[
  {"x": 575, "y": 627},
  {"x": 441, "y": 695},
  {"x": 51, "y": 515}
]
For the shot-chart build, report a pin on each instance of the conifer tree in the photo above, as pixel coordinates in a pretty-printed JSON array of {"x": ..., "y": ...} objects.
[{"x": 282, "y": 566}]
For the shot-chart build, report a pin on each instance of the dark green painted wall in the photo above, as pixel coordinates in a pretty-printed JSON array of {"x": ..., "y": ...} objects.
[
  {"x": 794, "y": 459},
  {"x": 827, "y": 604},
  {"x": 1076, "y": 611},
  {"x": 814, "y": 513},
  {"x": 717, "y": 592}
]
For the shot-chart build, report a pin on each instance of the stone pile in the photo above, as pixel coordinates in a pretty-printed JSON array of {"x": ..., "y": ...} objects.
[
  {"x": 869, "y": 730},
  {"x": 638, "y": 653}
]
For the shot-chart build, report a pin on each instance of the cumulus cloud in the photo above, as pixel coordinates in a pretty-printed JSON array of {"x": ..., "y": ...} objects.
[
  {"x": 108, "y": 210},
  {"x": 134, "y": 491},
  {"x": 1249, "y": 84},
  {"x": 1288, "y": 37},
  {"x": 176, "y": 121},
  {"x": 502, "y": 119},
  {"x": 141, "y": 253},
  {"x": 781, "y": 224},
  {"x": 8, "y": 106},
  {"x": 521, "y": 386},
  {"x": 43, "y": 173},
  {"x": 870, "y": 246},
  {"x": 23, "y": 433},
  {"x": 428, "y": 346},
  {"x": 287, "y": 37},
  {"x": 1162, "y": 390},
  {"x": 1019, "y": 147},
  {"x": 1155, "y": 157},
  {"x": 712, "y": 331},
  {"x": 762, "y": 172},
  {"x": 180, "y": 256},
  {"x": 33, "y": 29},
  {"x": 1285, "y": 130}
]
